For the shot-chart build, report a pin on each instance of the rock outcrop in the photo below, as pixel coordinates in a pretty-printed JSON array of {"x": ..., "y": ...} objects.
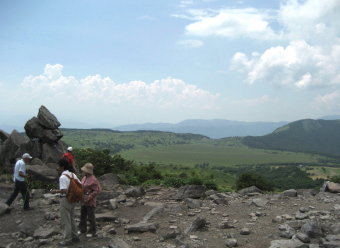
[{"x": 42, "y": 142}]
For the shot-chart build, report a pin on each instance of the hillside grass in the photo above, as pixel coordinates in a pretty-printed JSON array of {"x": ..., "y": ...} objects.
[
  {"x": 216, "y": 155},
  {"x": 181, "y": 149}
]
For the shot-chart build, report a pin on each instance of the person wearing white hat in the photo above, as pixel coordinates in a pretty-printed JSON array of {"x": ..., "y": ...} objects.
[
  {"x": 19, "y": 176},
  {"x": 70, "y": 159}
]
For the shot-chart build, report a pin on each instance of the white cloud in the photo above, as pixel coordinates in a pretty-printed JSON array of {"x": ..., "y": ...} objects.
[
  {"x": 299, "y": 64},
  {"x": 190, "y": 43},
  {"x": 161, "y": 94},
  {"x": 185, "y": 3},
  {"x": 311, "y": 20},
  {"x": 312, "y": 57},
  {"x": 231, "y": 23}
]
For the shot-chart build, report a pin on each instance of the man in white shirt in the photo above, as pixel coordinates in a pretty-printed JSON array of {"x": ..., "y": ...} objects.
[
  {"x": 66, "y": 208},
  {"x": 19, "y": 176}
]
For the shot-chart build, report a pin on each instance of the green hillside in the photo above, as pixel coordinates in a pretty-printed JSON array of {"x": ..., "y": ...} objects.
[
  {"x": 317, "y": 136},
  {"x": 181, "y": 149}
]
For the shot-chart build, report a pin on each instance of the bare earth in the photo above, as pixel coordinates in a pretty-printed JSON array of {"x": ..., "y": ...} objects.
[{"x": 174, "y": 217}]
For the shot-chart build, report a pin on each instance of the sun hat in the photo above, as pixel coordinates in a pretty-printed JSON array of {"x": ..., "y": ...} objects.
[
  {"x": 70, "y": 149},
  {"x": 87, "y": 168},
  {"x": 26, "y": 155}
]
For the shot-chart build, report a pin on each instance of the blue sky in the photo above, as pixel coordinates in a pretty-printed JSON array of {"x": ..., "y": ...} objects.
[{"x": 108, "y": 63}]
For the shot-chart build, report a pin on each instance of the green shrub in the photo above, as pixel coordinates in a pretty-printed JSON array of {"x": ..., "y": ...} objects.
[
  {"x": 173, "y": 181},
  {"x": 195, "y": 181},
  {"x": 211, "y": 185},
  {"x": 335, "y": 179},
  {"x": 251, "y": 179}
]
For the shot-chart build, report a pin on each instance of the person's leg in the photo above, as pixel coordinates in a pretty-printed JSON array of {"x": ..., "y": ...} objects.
[
  {"x": 25, "y": 194},
  {"x": 14, "y": 194},
  {"x": 65, "y": 219},
  {"x": 73, "y": 223},
  {"x": 83, "y": 219},
  {"x": 92, "y": 220}
]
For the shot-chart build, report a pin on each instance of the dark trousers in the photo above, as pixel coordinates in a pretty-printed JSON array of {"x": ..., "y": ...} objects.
[
  {"x": 87, "y": 214},
  {"x": 20, "y": 187}
]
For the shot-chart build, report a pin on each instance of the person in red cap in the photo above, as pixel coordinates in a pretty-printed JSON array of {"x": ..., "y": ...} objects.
[
  {"x": 19, "y": 175},
  {"x": 70, "y": 159}
]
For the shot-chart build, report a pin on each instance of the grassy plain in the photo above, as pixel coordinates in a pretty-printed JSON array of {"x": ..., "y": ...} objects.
[{"x": 182, "y": 149}]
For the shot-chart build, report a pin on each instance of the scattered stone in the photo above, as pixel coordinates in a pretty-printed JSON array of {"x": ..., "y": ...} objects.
[
  {"x": 249, "y": 190},
  {"x": 231, "y": 243},
  {"x": 290, "y": 193},
  {"x": 141, "y": 227},
  {"x": 198, "y": 224},
  {"x": 135, "y": 192},
  {"x": 245, "y": 231},
  {"x": 190, "y": 191}
]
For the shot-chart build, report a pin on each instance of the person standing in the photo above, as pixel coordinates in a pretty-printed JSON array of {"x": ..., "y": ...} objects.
[
  {"x": 88, "y": 205},
  {"x": 70, "y": 159},
  {"x": 66, "y": 208},
  {"x": 19, "y": 175}
]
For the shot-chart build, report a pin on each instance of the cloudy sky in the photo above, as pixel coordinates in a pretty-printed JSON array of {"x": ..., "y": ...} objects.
[{"x": 109, "y": 62}]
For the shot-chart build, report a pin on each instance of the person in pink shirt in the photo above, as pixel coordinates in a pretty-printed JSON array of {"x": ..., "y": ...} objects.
[{"x": 88, "y": 205}]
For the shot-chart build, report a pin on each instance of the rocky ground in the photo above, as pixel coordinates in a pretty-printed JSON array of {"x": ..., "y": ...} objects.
[{"x": 160, "y": 217}]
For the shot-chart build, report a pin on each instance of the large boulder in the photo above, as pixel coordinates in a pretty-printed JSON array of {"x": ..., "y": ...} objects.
[
  {"x": 108, "y": 180},
  {"x": 35, "y": 130},
  {"x": 331, "y": 187},
  {"x": 47, "y": 119},
  {"x": 249, "y": 190},
  {"x": 190, "y": 191},
  {"x": 3, "y": 136},
  {"x": 11, "y": 148},
  {"x": 51, "y": 153},
  {"x": 42, "y": 173}
]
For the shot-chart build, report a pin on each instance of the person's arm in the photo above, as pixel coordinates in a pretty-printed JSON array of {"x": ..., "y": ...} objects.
[{"x": 22, "y": 174}]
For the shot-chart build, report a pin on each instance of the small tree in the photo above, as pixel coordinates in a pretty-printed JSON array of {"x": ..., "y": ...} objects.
[{"x": 251, "y": 179}]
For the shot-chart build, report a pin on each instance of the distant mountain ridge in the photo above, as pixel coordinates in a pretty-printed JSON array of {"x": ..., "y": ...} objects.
[
  {"x": 320, "y": 136},
  {"x": 216, "y": 128}
]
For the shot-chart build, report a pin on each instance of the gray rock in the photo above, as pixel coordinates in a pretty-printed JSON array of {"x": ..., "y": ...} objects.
[
  {"x": 218, "y": 199},
  {"x": 42, "y": 173},
  {"x": 11, "y": 149},
  {"x": 301, "y": 216},
  {"x": 286, "y": 244},
  {"x": 198, "y": 224},
  {"x": 245, "y": 231},
  {"x": 231, "y": 243},
  {"x": 3, "y": 136},
  {"x": 47, "y": 119},
  {"x": 141, "y": 227},
  {"x": 172, "y": 234},
  {"x": 51, "y": 153},
  {"x": 118, "y": 243},
  {"x": 155, "y": 211},
  {"x": 108, "y": 216},
  {"x": 190, "y": 191},
  {"x": 107, "y": 195},
  {"x": 3, "y": 208},
  {"x": 312, "y": 229},
  {"x": 113, "y": 204},
  {"x": 44, "y": 232},
  {"x": 251, "y": 189},
  {"x": 286, "y": 231},
  {"x": 331, "y": 187},
  {"x": 193, "y": 203},
  {"x": 303, "y": 237},
  {"x": 290, "y": 193},
  {"x": 108, "y": 180},
  {"x": 259, "y": 202},
  {"x": 135, "y": 192},
  {"x": 28, "y": 228},
  {"x": 226, "y": 225}
]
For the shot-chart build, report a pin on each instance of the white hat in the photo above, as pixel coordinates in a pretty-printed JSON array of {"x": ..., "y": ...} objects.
[
  {"x": 70, "y": 149},
  {"x": 26, "y": 155}
]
